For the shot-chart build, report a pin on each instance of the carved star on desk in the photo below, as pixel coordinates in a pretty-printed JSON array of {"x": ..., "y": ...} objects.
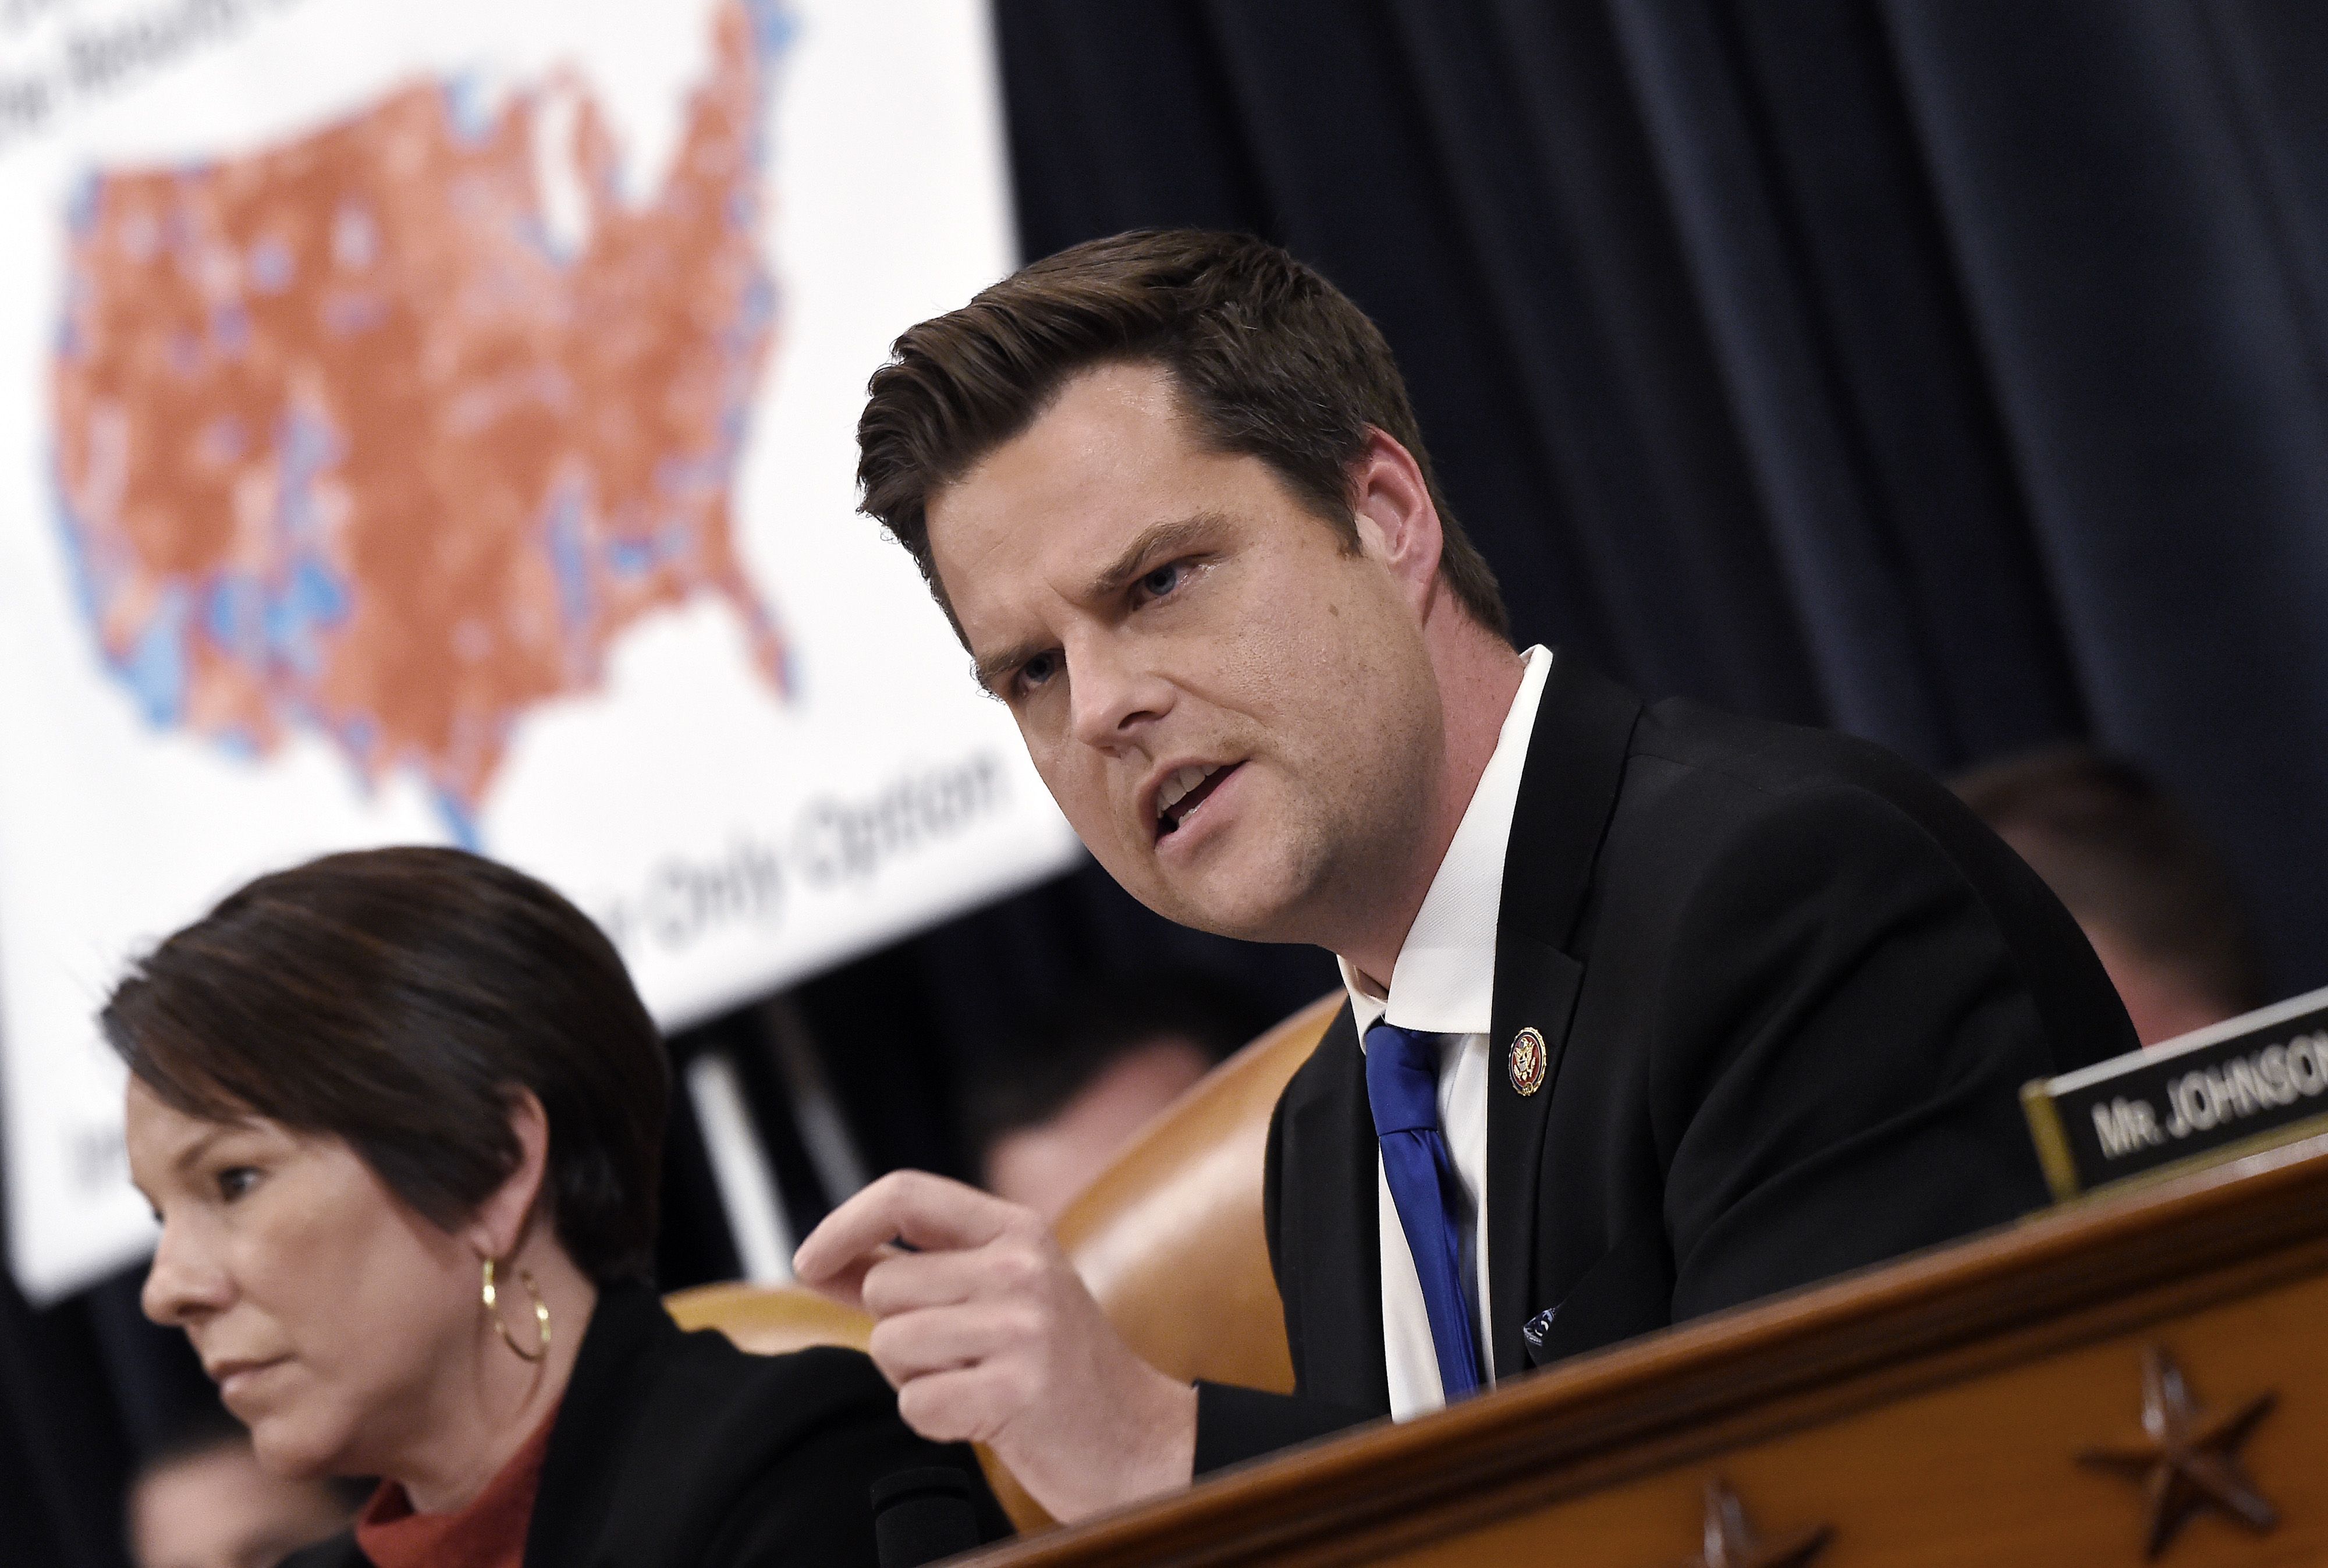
[
  {"x": 2191, "y": 1461},
  {"x": 1731, "y": 1541}
]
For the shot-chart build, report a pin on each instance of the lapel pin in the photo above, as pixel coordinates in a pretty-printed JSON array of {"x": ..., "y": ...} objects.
[{"x": 1527, "y": 1062}]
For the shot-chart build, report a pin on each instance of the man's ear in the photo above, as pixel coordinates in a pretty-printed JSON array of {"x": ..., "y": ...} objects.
[
  {"x": 503, "y": 1221},
  {"x": 1397, "y": 522}
]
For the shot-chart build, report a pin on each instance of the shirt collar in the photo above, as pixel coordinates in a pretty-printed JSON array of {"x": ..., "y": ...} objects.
[{"x": 1444, "y": 979}]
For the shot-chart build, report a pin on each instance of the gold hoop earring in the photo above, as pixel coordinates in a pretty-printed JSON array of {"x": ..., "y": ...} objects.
[{"x": 540, "y": 1315}]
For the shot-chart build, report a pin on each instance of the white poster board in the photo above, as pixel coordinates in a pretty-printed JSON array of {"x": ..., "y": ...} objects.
[{"x": 432, "y": 421}]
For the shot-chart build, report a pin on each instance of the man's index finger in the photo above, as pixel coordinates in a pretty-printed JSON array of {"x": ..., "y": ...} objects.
[{"x": 924, "y": 1212}]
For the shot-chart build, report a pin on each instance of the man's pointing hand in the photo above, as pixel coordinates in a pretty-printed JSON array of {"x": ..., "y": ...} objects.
[{"x": 989, "y": 1336}]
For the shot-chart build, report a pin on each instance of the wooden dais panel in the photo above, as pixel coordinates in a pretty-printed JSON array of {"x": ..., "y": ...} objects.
[{"x": 2132, "y": 1378}]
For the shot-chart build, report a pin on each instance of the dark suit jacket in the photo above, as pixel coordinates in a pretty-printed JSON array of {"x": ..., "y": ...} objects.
[
  {"x": 1791, "y": 988},
  {"x": 679, "y": 1450}
]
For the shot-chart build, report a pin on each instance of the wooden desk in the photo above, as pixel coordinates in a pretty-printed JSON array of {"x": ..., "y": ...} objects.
[{"x": 1930, "y": 1412}]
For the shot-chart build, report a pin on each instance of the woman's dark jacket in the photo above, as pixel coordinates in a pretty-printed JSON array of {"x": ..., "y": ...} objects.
[{"x": 679, "y": 1450}]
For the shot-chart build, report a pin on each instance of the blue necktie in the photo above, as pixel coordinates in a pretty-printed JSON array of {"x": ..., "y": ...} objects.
[{"x": 1403, "y": 1088}]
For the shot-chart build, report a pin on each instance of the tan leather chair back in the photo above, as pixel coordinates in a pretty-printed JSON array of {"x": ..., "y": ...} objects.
[
  {"x": 1168, "y": 1238},
  {"x": 771, "y": 1319}
]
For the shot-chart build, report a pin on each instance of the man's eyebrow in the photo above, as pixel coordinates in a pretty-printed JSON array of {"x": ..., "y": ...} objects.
[
  {"x": 1157, "y": 539},
  {"x": 991, "y": 670}
]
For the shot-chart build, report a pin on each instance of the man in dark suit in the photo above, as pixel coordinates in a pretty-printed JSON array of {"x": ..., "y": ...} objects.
[
  {"x": 1653, "y": 1011},
  {"x": 1788, "y": 990}
]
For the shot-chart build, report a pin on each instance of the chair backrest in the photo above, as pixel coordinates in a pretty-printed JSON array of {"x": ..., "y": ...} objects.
[
  {"x": 770, "y": 1320},
  {"x": 1168, "y": 1238}
]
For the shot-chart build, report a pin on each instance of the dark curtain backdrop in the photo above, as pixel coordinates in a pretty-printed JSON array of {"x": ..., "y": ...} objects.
[{"x": 1951, "y": 371}]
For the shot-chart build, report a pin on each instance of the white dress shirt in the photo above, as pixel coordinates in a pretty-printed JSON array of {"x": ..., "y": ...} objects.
[{"x": 1444, "y": 981}]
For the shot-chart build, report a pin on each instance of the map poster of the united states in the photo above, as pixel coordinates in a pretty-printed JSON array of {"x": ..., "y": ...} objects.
[{"x": 431, "y": 421}]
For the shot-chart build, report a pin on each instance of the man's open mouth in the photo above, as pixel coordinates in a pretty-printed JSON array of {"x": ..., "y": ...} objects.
[{"x": 1186, "y": 790}]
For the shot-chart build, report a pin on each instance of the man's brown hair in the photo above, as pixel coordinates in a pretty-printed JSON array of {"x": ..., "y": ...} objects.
[
  {"x": 1269, "y": 360},
  {"x": 2120, "y": 853},
  {"x": 398, "y": 999}
]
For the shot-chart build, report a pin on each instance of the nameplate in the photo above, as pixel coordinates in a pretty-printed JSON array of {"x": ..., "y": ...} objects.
[{"x": 2240, "y": 1085}]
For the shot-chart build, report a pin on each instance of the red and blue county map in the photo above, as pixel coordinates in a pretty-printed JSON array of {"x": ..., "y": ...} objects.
[{"x": 347, "y": 439}]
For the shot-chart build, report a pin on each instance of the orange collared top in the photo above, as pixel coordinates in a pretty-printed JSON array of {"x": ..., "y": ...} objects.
[{"x": 490, "y": 1533}]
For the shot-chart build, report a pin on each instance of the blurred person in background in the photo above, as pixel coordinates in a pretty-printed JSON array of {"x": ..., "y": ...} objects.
[
  {"x": 2151, "y": 894},
  {"x": 1102, "y": 1065},
  {"x": 400, "y": 1114},
  {"x": 202, "y": 1500}
]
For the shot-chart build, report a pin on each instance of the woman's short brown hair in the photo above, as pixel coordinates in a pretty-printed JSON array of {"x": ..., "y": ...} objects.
[
  {"x": 397, "y": 999},
  {"x": 1269, "y": 360}
]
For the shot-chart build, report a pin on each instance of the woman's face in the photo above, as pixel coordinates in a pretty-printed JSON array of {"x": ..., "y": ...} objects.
[{"x": 336, "y": 1320}]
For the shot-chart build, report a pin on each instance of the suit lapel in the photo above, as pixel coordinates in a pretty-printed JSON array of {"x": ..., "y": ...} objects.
[
  {"x": 1568, "y": 791},
  {"x": 1541, "y": 994},
  {"x": 1337, "y": 1259}
]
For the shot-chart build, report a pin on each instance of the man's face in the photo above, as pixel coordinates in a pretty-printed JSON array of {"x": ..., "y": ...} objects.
[{"x": 1235, "y": 710}]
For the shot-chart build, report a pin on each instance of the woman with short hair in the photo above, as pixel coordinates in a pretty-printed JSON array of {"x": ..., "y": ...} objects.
[{"x": 400, "y": 1114}]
